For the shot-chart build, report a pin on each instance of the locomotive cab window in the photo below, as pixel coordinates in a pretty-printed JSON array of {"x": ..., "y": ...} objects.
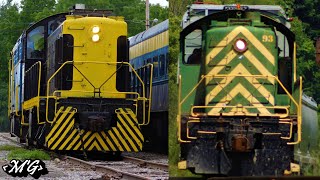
[
  {"x": 192, "y": 47},
  {"x": 35, "y": 43},
  {"x": 284, "y": 63}
]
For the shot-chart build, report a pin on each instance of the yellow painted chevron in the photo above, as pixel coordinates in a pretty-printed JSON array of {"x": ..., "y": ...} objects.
[
  {"x": 94, "y": 144},
  {"x": 63, "y": 123},
  {"x": 259, "y": 66},
  {"x": 126, "y": 136},
  {"x": 130, "y": 120},
  {"x": 113, "y": 148},
  {"x": 239, "y": 89},
  {"x": 229, "y": 39},
  {"x": 67, "y": 140},
  {"x": 73, "y": 142},
  {"x": 218, "y": 67},
  {"x": 239, "y": 69},
  {"x": 121, "y": 139}
]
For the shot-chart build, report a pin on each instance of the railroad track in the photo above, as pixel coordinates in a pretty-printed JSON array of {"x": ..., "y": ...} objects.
[
  {"x": 142, "y": 162},
  {"x": 128, "y": 168}
]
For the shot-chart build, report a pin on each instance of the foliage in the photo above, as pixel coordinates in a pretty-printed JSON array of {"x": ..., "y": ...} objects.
[
  {"x": 23, "y": 154},
  {"x": 176, "y": 10}
]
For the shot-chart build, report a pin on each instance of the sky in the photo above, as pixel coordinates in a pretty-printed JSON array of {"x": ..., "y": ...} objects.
[{"x": 161, "y": 2}]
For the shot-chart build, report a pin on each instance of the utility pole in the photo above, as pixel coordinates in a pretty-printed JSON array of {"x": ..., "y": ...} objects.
[{"x": 147, "y": 15}]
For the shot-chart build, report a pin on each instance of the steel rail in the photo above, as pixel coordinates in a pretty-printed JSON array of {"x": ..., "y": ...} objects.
[
  {"x": 147, "y": 163},
  {"x": 105, "y": 169}
]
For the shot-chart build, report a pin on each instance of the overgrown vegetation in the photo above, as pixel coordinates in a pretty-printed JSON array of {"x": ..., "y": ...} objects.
[
  {"x": 306, "y": 28},
  {"x": 15, "y": 18}
]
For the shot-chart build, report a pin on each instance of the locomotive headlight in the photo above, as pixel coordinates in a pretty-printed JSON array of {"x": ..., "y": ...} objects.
[
  {"x": 240, "y": 45},
  {"x": 96, "y": 29},
  {"x": 95, "y": 38}
]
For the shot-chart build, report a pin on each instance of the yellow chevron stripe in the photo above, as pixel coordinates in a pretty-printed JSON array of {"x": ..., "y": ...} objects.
[
  {"x": 221, "y": 45},
  {"x": 240, "y": 89},
  {"x": 128, "y": 139},
  {"x": 121, "y": 139},
  {"x": 238, "y": 69},
  {"x": 87, "y": 142},
  {"x": 132, "y": 115},
  {"x": 240, "y": 29},
  {"x": 115, "y": 140},
  {"x": 58, "y": 134},
  {"x": 68, "y": 139},
  {"x": 222, "y": 64},
  {"x": 257, "y": 43},
  {"x": 83, "y": 139},
  {"x": 69, "y": 127},
  {"x": 54, "y": 120},
  {"x": 74, "y": 141},
  {"x": 94, "y": 144},
  {"x": 104, "y": 136},
  {"x": 102, "y": 143},
  {"x": 137, "y": 130},
  {"x": 259, "y": 66}
]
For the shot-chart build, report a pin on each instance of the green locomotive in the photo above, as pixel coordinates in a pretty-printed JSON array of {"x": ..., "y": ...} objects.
[{"x": 240, "y": 100}]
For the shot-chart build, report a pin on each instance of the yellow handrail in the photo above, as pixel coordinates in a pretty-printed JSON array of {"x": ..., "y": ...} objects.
[
  {"x": 150, "y": 95},
  {"x": 299, "y": 118},
  {"x": 9, "y": 85},
  {"x": 283, "y": 115},
  {"x": 94, "y": 62},
  {"x": 16, "y": 102},
  {"x": 179, "y": 113}
]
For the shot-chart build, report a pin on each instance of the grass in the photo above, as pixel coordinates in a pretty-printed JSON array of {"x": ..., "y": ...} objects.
[
  {"x": 22, "y": 154},
  {"x": 174, "y": 148},
  {"x": 7, "y": 147}
]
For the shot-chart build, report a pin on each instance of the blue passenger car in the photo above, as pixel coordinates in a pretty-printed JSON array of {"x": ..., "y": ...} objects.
[{"x": 152, "y": 46}]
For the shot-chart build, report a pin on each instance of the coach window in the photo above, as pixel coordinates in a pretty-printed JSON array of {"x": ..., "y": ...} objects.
[
  {"x": 162, "y": 65},
  {"x": 35, "y": 43},
  {"x": 167, "y": 63},
  {"x": 15, "y": 57},
  {"x": 155, "y": 67},
  {"x": 192, "y": 47}
]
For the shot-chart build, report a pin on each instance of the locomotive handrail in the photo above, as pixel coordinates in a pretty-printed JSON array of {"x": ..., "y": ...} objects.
[
  {"x": 299, "y": 118},
  {"x": 283, "y": 115},
  {"x": 16, "y": 101},
  {"x": 9, "y": 86},
  {"x": 39, "y": 81},
  {"x": 150, "y": 94},
  {"x": 297, "y": 104},
  {"x": 179, "y": 112},
  {"x": 94, "y": 62}
]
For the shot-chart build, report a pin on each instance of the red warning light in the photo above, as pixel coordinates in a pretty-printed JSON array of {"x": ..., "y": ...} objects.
[
  {"x": 290, "y": 19},
  {"x": 238, "y": 6}
]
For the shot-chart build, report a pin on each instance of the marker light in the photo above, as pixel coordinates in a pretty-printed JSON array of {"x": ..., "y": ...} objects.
[
  {"x": 95, "y": 29},
  {"x": 95, "y": 38},
  {"x": 240, "y": 45}
]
